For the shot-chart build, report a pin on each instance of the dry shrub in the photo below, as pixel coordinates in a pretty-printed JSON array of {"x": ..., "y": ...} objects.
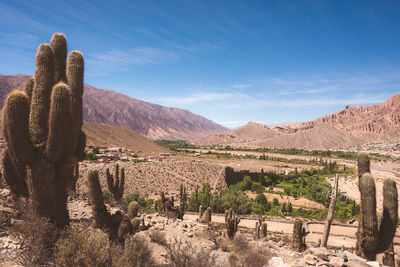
[
  {"x": 247, "y": 255},
  {"x": 183, "y": 254},
  {"x": 157, "y": 237},
  {"x": 37, "y": 236},
  {"x": 135, "y": 253},
  {"x": 223, "y": 244},
  {"x": 83, "y": 247}
]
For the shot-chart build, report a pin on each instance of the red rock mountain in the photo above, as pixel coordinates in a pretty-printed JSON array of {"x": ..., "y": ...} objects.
[
  {"x": 348, "y": 127},
  {"x": 112, "y": 108}
]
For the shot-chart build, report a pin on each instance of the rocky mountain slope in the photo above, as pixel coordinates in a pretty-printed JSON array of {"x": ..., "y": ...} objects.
[
  {"x": 112, "y": 108},
  {"x": 348, "y": 127}
]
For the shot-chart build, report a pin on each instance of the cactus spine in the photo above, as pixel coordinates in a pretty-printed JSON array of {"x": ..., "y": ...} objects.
[
  {"x": 372, "y": 237},
  {"x": 116, "y": 182},
  {"x": 42, "y": 127},
  {"x": 231, "y": 221}
]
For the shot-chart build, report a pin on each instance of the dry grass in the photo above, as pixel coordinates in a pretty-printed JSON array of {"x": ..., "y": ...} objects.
[
  {"x": 135, "y": 253},
  {"x": 244, "y": 253},
  {"x": 157, "y": 237},
  {"x": 184, "y": 254},
  {"x": 37, "y": 237},
  {"x": 82, "y": 247}
]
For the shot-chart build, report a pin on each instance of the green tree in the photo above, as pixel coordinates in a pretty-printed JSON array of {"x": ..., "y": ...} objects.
[
  {"x": 261, "y": 199},
  {"x": 238, "y": 201},
  {"x": 290, "y": 208},
  {"x": 275, "y": 201},
  {"x": 258, "y": 188}
]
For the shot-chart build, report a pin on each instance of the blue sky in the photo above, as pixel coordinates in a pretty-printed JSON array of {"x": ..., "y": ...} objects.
[{"x": 230, "y": 61}]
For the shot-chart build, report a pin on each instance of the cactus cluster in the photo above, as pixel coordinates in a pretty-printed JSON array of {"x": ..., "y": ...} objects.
[
  {"x": 374, "y": 237},
  {"x": 116, "y": 225},
  {"x": 116, "y": 182},
  {"x": 168, "y": 208},
  {"x": 260, "y": 230},
  {"x": 231, "y": 222},
  {"x": 300, "y": 231},
  {"x": 42, "y": 127},
  {"x": 102, "y": 218}
]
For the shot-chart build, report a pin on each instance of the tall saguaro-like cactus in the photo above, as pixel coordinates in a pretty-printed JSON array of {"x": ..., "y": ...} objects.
[
  {"x": 42, "y": 127},
  {"x": 372, "y": 237}
]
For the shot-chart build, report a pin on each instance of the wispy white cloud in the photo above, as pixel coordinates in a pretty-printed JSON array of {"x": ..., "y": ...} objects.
[
  {"x": 194, "y": 98},
  {"x": 119, "y": 59},
  {"x": 241, "y": 85},
  {"x": 136, "y": 56}
]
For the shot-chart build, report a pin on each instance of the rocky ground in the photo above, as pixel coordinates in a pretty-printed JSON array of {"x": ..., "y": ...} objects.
[{"x": 190, "y": 238}]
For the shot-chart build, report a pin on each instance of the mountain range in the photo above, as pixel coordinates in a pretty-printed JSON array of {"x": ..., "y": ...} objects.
[
  {"x": 346, "y": 128},
  {"x": 109, "y": 107}
]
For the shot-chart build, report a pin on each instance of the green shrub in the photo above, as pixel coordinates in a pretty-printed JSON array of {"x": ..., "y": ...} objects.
[{"x": 135, "y": 197}]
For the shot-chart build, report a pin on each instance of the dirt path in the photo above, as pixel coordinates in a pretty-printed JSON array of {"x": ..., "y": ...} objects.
[{"x": 341, "y": 235}]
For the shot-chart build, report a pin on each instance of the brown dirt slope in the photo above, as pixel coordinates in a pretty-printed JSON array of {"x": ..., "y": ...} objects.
[
  {"x": 112, "y": 108},
  {"x": 108, "y": 136},
  {"x": 250, "y": 132}
]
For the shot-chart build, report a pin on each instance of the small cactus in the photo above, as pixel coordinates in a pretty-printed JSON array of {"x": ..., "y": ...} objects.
[
  {"x": 231, "y": 221},
  {"x": 201, "y": 211},
  {"x": 372, "y": 237},
  {"x": 299, "y": 236},
  {"x": 162, "y": 196},
  {"x": 116, "y": 182},
  {"x": 208, "y": 215},
  {"x": 257, "y": 231},
  {"x": 181, "y": 211},
  {"x": 133, "y": 209},
  {"x": 260, "y": 230}
]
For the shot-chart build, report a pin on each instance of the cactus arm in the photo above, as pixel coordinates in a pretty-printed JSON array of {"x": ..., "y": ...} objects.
[
  {"x": 116, "y": 181},
  {"x": 29, "y": 84},
  {"x": 110, "y": 181},
  {"x": 387, "y": 228},
  {"x": 15, "y": 181},
  {"x": 363, "y": 164},
  {"x": 75, "y": 70},
  {"x": 369, "y": 235},
  {"x": 44, "y": 77},
  {"x": 121, "y": 184},
  {"x": 101, "y": 215},
  {"x": 58, "y": 122},
  {"x": 59, "y": 45},
  {"x": 80, "y": 147},
  {"x": 15, "y": 127}
]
